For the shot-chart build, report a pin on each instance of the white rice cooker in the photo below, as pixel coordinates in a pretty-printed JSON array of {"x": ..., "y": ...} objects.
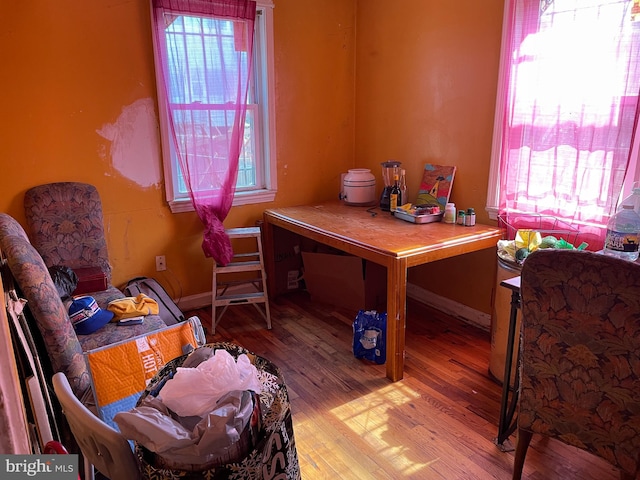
[{"x": 358, "y": 187}]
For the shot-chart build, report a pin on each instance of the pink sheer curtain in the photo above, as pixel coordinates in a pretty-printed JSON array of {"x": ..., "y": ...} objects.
[
  {"x": 205, "y": 49},
  {"x": 571, "y": 107}
]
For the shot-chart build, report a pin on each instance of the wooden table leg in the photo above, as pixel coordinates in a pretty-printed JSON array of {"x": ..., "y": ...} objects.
[
  {"x": 268, "y": 249},
  {"x": 396, "y": 318}
]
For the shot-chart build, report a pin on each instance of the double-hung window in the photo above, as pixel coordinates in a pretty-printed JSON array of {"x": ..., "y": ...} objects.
[
  {"x": 200, "y": 70},
  {"x": 567, "y": 110}
]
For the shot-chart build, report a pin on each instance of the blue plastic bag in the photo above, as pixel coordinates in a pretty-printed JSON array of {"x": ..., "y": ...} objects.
[{"x": 370, "y": 336}]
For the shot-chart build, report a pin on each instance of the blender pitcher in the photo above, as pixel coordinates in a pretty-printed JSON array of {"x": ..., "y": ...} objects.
[{"x": 390, "y": 169}]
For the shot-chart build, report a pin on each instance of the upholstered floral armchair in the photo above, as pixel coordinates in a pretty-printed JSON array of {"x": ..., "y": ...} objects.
[
  {"x": 63, "y": 346},
  {"x": 580, "y": 355},
  {"x": 66, "y": 228},
  {"x": 66, "y": 225}
]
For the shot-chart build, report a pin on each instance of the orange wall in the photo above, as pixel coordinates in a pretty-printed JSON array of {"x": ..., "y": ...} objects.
[
  {"x": 76, "y": 74},
  {"x": 417, "y": 86},
  {"x": 426, "y": 74}
]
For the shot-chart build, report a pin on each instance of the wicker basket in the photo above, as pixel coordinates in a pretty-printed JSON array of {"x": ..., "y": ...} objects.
[
  {"x": 273, "y": 451},
  {"x": 511, "y": 222}
]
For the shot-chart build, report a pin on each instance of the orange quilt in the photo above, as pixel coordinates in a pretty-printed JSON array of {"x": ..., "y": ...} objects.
[{"x": 120, "y": 372}]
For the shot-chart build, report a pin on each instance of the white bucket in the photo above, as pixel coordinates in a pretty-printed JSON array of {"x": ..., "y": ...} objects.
[{"x": 358, "y": 187}]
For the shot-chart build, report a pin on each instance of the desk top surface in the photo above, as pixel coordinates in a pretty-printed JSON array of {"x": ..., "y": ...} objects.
[{"x": 358, "y": 231}]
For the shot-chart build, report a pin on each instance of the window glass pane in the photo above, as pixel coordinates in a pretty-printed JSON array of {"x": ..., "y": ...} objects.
[
  {"x": 198, "y": 51},
  {"x": 565, "y": 114},
  {"x": 202, "y": 55},
  {"x": 247, "y": 165}
]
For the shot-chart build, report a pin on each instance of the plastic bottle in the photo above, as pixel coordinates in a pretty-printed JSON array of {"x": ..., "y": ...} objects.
[
  {"x": 633, "y": 199},
  {"x": 449, "y": 213},
  {"x": 623, "y": 232},
  {"x": 461, "y": 217}
]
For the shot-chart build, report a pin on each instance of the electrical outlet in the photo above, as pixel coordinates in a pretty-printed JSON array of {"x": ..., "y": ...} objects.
[
  {"x": 292, "y": 279},
  {"x": 161, "y": 263}
]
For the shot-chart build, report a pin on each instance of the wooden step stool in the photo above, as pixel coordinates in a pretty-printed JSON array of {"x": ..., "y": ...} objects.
[{"x": 241, "y": 262}]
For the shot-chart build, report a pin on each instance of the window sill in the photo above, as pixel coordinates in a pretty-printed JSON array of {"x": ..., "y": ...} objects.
[
  {"x": 493, "y": 212},
  {"x": 241, "y": 198}
]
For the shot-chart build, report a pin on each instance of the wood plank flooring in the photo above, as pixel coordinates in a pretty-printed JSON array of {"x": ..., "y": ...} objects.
[{"x": 351, "y": 422}]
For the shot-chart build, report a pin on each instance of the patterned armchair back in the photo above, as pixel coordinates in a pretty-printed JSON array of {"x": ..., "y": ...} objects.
[
  {"x": 580, "y": 352},
  {"x": 34, "y": 282},
  {"x": 66, "y": 225}
]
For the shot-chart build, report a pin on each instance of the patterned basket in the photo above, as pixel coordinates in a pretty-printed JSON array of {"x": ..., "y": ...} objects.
[{"x": 274, "y": 454}]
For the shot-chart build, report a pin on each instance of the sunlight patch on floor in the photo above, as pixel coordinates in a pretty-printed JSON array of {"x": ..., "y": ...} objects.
[{"x": 370, "y": 417}]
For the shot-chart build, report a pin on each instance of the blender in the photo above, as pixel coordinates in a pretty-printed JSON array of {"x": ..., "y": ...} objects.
[{"x": 390, "y": 169}]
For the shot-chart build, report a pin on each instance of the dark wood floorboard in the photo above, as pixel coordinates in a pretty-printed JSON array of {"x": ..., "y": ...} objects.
[{"x": 350, "y": 422}]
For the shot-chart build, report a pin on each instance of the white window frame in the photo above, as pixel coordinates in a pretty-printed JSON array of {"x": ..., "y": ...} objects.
[
  {"x": 493, "y": 189},
  {"x": 264, "y": 87}
]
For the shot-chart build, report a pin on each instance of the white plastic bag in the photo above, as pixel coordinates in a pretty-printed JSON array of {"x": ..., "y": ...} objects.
[
  {"x": 195, "y": 391},
  {"x": 213, "y": 436}
]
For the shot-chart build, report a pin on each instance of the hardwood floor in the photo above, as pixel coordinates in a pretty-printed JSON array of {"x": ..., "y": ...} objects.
[{"x": 351, "y": 422}]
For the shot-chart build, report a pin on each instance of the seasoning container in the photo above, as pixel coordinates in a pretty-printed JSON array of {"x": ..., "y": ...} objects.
[
  {"x": 470, "y": 217},
  {"x": 449, "y": 213},
  {"x": 461, "y": 217}
]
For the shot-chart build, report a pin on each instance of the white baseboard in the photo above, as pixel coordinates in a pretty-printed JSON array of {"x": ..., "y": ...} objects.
[
  {"x": 201, "y": 300},
  {"x": 450, "y": 307},
  {"x": 193, "y": 302}
]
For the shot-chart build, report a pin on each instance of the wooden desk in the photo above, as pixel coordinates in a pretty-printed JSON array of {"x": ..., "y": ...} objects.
[{"x": 385, "y": 240}]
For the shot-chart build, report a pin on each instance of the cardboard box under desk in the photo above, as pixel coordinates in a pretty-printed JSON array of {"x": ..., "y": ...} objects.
[
  {"x": 345, "y": 281},
  {"x": 287, "y": 259}
]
